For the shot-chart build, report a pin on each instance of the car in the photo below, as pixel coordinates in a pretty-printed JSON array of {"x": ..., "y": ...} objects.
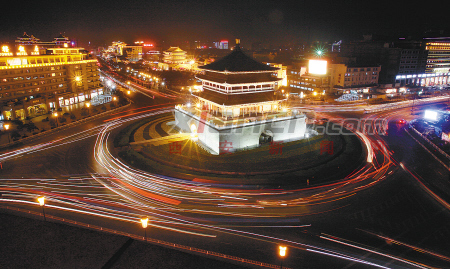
[{"x": 401, "y": 121}]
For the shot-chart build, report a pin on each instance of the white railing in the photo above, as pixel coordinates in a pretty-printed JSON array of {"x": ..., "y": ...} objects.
[{"x": 235, "y": 124}]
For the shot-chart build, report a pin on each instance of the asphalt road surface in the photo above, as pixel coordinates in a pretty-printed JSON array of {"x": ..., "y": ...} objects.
[{"x": 385, "y": 215}]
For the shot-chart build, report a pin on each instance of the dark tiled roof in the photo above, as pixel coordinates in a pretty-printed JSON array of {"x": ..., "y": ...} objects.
[
  {"x": 237, "y": 99},
  {"x": 60, "y": 36},
  {"x": 238, "y": 61}
]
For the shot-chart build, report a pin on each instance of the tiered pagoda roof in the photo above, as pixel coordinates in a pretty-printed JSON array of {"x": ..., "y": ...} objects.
[
  {"x": 237, "y": 61},
  {"x": 236, "y": 80}
]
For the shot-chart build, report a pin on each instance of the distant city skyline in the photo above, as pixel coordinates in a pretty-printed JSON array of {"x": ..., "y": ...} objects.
[{"x": 173, "y": 22}]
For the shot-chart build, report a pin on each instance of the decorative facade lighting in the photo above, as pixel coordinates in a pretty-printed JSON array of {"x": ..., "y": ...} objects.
[
  {"x": 22, "y": 51},
  {"x": 36, "y": 51},
  {"x": 5, "y": 51}
]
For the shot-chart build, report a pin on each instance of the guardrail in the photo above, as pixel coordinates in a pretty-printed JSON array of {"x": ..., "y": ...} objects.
[
  {"x": 384, "y": 107},
  {"x": 149, "y": 240},
  {"x": 431, "y": 144}
]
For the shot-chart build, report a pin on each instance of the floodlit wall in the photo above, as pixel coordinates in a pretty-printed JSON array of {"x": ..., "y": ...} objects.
[{"x": 231, "y": 138}]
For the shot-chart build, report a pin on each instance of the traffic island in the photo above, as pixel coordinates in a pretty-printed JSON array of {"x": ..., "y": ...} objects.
[{"x": 315, "y": 160}]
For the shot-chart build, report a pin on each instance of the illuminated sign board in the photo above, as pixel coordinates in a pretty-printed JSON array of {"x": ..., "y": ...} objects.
[
  {"x": 430, "y": 115},
  {"x": 445, "y": 137},
  {"x": 17, "y": 61},
  {"x": 318, "y": 67}
]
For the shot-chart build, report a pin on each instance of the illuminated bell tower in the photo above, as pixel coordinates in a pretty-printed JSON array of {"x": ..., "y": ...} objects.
[{"x": 238, "y": 104}]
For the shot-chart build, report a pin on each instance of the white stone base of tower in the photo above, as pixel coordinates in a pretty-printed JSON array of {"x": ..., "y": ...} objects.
[{"x": 226, "y": 139}]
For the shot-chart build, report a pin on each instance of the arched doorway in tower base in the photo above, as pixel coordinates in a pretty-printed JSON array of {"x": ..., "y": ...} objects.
[{"x": 266, "y": 137}]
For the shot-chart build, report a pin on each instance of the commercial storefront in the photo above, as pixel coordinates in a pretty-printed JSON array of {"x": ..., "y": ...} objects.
[{"x": 423, "y": 80}]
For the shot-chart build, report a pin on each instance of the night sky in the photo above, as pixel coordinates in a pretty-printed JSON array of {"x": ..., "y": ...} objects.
[{"x": 269, "y": 22}]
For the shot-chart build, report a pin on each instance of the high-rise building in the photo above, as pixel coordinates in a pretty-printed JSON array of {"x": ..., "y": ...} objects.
[
  {"x": 438, "y": 60},
  {"x": 223, "y": 45},
  {"x": 336, "y": 46},
  {"x": 132, "y": 53},
  {"x": 374, "y": 53},
  {"x": 33, "y": 84}
]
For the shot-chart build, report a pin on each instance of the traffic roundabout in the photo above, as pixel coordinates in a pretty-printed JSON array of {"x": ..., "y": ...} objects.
[{"x": 251, "y": 193}]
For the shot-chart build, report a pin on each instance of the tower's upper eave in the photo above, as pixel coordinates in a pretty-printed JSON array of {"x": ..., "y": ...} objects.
[{"x": 237, "y": 61}]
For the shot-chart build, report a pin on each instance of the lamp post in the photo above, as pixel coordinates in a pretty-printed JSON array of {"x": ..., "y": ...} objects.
[
  {"x": 144, "y": 222},
  {"x": 41, "y": 200},
  {"x": 282, "y": 252},
  {"x": 88, "y": 105},
  {"x": 6, "y": 126},
  {"x": 56, "y": 116}
]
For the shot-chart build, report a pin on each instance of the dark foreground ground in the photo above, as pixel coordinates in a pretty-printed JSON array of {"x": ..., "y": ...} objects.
[{"x": 31, "y": 243}]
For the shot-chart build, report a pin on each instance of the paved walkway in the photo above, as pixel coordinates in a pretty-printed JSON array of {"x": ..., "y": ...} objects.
[
  {"x": 43, "y": 124},
  {"x": 161, "y": 131}
]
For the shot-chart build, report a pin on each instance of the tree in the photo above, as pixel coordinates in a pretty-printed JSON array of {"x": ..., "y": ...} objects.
[
  {"x": 19, "y": 124},
  {"x": 15, "y": 135},
  {"x": 31, "y": 126}
]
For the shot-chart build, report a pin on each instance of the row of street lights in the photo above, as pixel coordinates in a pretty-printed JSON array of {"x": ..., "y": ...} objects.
[{"x": 144, "y": 223}]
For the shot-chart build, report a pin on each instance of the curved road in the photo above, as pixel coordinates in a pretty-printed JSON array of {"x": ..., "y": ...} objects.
[{"x": 380, "y": 216}]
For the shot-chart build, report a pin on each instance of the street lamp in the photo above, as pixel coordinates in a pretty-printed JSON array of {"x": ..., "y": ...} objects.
[
  {"x": 56, "y": 116},
  {"x": 282, "y": 252},
  {"x": 88, "y": 106},
  {"x": 41, "y": 200},
  {"x": 144, "y": 222},
  {"x": 6, "y": 126}
]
